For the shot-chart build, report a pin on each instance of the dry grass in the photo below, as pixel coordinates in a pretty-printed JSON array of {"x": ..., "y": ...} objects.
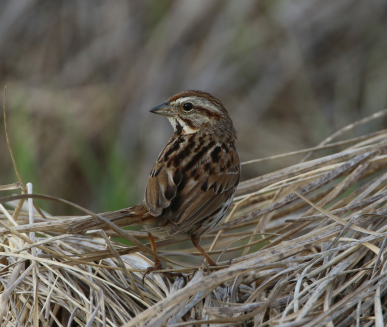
[
  {"x": 268, "y": 61},
  {"x": 302, "y": 246}
]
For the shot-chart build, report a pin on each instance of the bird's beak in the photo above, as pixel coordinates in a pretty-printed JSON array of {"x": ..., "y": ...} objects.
[{"x": 163, "y": 109}]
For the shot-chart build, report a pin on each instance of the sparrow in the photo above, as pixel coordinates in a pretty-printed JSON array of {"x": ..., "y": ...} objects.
[{"x": 193, "y": 182}]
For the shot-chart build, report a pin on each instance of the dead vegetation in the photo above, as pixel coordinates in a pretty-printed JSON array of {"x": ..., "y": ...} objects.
[{"x": 302, "y": 246}]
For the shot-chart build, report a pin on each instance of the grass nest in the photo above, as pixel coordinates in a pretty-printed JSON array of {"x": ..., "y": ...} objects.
[{"x": 302, "y": 246}]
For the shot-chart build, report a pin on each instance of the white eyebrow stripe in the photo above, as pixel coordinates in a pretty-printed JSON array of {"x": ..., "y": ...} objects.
[
  {"x": 198, "y": 101},
  {"x": 185, "y": 99}
]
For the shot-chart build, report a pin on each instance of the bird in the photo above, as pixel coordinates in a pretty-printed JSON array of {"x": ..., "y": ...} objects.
[{"x": 193, "y": 182}]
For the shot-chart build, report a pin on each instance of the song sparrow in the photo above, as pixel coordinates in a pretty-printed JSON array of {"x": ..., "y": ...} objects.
[{"x": 194, "y": 179}]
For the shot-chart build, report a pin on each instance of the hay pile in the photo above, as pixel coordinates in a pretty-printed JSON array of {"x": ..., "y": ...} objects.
[{"x": 302, "y": 246}]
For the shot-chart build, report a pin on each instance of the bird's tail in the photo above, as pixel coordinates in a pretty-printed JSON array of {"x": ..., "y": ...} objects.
[{"x": 136, "y": 215}]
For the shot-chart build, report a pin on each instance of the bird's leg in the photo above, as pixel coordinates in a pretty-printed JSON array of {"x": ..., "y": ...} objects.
[
  {"x": 157, "y": 265},
  {"x": 153, "y": 245},
  {"x": 195, "y": 242}
]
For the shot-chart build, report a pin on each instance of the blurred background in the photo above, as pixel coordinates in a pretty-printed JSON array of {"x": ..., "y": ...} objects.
[{"x": 83, "y": 74}]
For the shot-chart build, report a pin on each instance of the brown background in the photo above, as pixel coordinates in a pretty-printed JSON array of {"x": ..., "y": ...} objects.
[{"x": 82, "y": 76}]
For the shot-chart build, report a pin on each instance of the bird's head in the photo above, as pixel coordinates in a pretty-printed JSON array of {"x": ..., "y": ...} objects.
[{"x": 197, "y": 112}]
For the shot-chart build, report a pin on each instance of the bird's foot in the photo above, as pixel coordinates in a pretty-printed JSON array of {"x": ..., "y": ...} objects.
[
  {"x": 150, "y": 269},
  {"x": 157, "y": 267}
]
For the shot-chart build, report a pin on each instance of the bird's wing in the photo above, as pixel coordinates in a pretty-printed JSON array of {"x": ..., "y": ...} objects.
[
  {"x": 202, "y": 198},
  {"x": 205, "y": 204},
  {"x": 161, "y": 188},
  {"x": 192, "y": 192}
]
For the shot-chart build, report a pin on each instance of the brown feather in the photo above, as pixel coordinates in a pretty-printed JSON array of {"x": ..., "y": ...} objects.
[
  {"x": 194, "y": 179},
  {"x": 160, "y": 190},
  {"x": 202, "y": 191},
  {"x": 201, "y": 207}
]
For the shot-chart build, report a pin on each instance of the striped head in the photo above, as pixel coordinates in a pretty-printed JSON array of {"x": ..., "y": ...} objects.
[{"x": 194, "y": 111}]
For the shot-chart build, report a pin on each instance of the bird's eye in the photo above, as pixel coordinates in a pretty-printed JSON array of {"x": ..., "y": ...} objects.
[{"x": 187, "y": 106}]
